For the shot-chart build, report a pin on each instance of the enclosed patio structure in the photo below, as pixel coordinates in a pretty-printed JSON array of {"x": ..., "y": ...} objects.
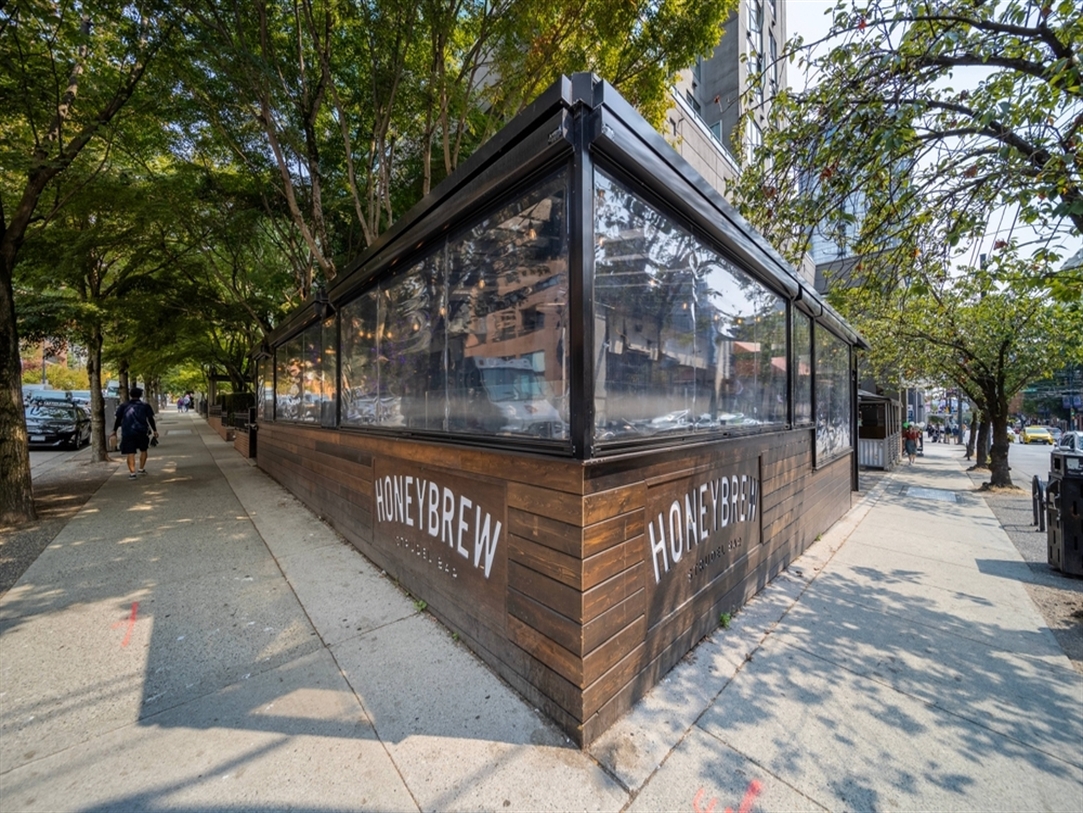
[{"x": 572, "y": 402}]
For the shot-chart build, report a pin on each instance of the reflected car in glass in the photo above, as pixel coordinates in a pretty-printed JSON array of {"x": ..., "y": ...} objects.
[
  {"x": 57, "y": 425},
  {"x": 1071, "y": 441},
  {"x": 1037, "y": 434}
]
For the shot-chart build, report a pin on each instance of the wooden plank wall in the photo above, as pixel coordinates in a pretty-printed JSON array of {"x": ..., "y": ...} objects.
[{"x": 575, "y": 639}]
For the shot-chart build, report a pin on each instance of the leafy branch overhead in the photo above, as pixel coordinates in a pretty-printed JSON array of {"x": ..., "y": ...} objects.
[{"x": 931, "y": 117}]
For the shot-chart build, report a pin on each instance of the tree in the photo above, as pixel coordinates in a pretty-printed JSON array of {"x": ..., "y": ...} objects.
[
  {"x": 967, "y": 330},
  {"x": 351, "y": 113},
  {"x": 888, "y": 124},
  {"x": 67, "y": 70}
]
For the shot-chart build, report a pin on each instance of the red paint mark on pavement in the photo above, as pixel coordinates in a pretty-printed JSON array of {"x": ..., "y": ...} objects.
[
  {"x": 695, "y": 803},
  {"x": 754, "y": 788},
  {"x": 131, "y": 624}
]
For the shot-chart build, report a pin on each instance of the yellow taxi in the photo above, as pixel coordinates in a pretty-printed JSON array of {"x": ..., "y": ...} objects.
[{"x": 1037, "y": 434}]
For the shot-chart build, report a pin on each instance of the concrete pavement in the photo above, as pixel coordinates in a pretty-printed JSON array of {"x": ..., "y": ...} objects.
[{"x": 197, "y": 640}]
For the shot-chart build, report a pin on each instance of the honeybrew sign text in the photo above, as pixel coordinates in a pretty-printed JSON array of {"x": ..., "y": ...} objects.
[
  {"x": 455, "y": 519},
  {"x": 699, "y": 520}
]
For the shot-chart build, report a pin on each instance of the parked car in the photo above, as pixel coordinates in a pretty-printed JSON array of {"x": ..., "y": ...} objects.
[
  {"x": 1072, "y": 441},
  {"x": 1037, "y": 434},
  {"x": 57, "y": 424},
  {"x": 1056, "y": 432}
]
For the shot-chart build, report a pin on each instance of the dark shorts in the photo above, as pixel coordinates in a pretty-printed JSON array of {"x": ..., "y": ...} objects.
[{"x": 130, "y": 444}]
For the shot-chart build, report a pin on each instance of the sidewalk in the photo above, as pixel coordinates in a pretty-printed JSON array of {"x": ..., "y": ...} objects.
[{"x": 196, "y": 640}]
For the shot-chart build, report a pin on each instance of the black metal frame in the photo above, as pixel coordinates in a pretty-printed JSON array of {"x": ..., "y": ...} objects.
[{"x": 582, "y": 122}]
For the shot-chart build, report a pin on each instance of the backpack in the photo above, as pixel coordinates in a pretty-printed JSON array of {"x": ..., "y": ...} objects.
[{"x": 134, "y": 423}]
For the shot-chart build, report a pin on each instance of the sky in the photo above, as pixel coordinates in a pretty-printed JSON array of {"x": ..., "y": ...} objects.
[{"x": 809, "y": 19}]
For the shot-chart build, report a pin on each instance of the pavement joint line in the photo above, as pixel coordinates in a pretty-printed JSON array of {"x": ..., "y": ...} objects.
[{"x": 323, "y": 643}]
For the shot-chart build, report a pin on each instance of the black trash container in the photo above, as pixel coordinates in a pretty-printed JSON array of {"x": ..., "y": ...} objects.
[{"x": 1064, "y": 506}]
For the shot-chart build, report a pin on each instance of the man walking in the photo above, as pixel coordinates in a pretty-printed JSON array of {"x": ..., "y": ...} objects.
[{"x": 135, "y": 419}]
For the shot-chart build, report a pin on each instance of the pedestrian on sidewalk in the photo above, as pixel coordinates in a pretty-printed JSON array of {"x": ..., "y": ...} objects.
[
  {"x": 911, "y": 433},
  {"x": 135, "y": 419}
]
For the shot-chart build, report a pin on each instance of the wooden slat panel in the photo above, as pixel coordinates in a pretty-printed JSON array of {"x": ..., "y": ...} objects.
[
  {"x": 559, "y": 566},
  {"x": 545, "y": 502},
  {"x": 559, "y": 597},
  {"x": 612, "y": 592},
  {"x": 611, "y": 532},
  {"x": 609, "y": 563},
  {"x": 560, "y": 536},
  {"x": 607, "y": 504},
  {"x": 599, "y": 630},
  {"x": 563, "y": 630},
  {"x": 603, "y": 658},
  {"x": 564, "y": 663}
]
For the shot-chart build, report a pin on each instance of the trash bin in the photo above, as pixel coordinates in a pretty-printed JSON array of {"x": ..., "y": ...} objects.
[{"x": 1064, "y": 505}]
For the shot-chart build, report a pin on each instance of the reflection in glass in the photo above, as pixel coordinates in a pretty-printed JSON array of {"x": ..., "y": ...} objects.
[
  {"x": 360, "y": 386},
  {"x": 471, "y": 339},
  {"x": 507, "y": 307},
  {"x": 289, "y": 360},
  {"x": 312, "y": 392},
  {"x": 685, "y": 341},
  {"x": 265, "y": 394},
  {"x": 328, "y": 377},
  {"x": 833, "y": 407},
  {"x": 411, "y": 342},
  {"x": 802, "y": 353}
]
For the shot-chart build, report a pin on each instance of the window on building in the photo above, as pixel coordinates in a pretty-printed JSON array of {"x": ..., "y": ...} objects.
[
  {"x": 755, "y": 139},
  {"x": 686, "y": 341},
  {"x": 773, "y": 55},
  {"x": 833, "y": 403},
  {"x": 755, "y": 17}
]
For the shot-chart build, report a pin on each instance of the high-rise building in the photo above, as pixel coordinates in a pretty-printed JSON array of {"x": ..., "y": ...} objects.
[
  {"x": 707, "y": 123},
  {"x": 711, "y": 92}
]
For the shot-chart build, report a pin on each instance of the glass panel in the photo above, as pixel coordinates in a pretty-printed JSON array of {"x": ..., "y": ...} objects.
[
  {"x": 288, "y": 387},
  {"x": 360, "y": 384},
  {"x": 265, "y": 394},
  {"x": 685, "y": 341},
  {"x": 833, "y": 408},
  {"x": 411, "y": 342},
  {"x": 312, "y": 393},
  {"x": 507, "y": 306},
  {"x": 328, "y": 377},
  {"x": 802, "y": 352}
]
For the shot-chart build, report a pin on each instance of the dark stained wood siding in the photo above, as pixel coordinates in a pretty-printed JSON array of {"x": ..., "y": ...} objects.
[{"x": 576, "y": 632}]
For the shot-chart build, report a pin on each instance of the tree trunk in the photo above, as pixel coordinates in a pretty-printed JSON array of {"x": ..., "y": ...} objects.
[
  {"x": 1000, "y": 471},
  {"x": 982, "y": 447},
  {"x": 98, "y": 429},
  {"x": 16, "y": 487}
]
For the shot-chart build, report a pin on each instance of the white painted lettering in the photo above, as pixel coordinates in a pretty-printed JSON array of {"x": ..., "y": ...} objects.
[
  {"x": 725, "y": 507},
  {"x": 407, "y": 513},
  {"x": 420, "y": 486},
  {"x": 448, "y": 516},
  {"x": 379, "y": 490},
  {"x": 482, "y": 543},
  {"x": 658, "y": 546},
  {"x": 691, "y": 529},
  {"x": 702, "y": 512},
  {"x": 464, "y": 505},
  {"x": 744, "y": 497},
  {"x": 676, "y": 531},
  {"x": 434, "y": 510}
]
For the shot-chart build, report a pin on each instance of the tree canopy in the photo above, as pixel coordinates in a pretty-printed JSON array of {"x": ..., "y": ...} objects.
[{"x": 925, "y": 120}]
